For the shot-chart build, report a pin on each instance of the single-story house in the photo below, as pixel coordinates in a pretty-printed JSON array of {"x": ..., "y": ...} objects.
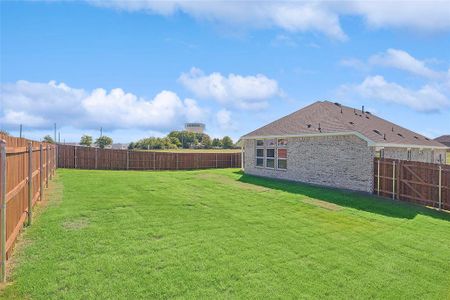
[
  {"x": 444, "y": 139},
  {"x": 330, "y": 144}
]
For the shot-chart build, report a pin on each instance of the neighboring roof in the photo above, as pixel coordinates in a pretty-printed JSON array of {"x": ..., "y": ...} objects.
[
  {"x": 444, "y": 139},
  {"x": 334, "y": 118}
]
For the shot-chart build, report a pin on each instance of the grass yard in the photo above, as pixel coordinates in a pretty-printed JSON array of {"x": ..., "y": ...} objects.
[{"x": 221, "y": 234}]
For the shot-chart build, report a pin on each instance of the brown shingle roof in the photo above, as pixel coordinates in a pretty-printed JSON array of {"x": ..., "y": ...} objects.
[
  {"x": 327, "y": 117},
  {"x": 444, "y": 139}
]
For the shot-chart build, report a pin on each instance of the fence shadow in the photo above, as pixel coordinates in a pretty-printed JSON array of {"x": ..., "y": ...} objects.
[{"x": 356, "y": 200}]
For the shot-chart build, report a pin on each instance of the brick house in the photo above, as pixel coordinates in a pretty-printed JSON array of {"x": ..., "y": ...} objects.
[{"x": 333, "y": 145}]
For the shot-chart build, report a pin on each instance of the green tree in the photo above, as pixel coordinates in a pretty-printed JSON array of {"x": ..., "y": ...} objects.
[
  {"x": 103, "y": 141},
  {"x": 227, "y": 142},
  {"x": 206, "y": 141},
  {"x": 48, "y": 139},
  {"x": 216, "y": 143},
  {"x": 86, "y": 140}
]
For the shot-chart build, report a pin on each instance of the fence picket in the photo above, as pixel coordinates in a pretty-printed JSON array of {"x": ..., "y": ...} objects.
[{"x": 417, "y": 182}]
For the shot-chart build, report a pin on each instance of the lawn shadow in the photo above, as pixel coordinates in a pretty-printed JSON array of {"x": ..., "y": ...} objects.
[{"x": 346, "y": 198}]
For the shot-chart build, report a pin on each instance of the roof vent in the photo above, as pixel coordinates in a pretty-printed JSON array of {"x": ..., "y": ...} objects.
[
  {"x": 362, "y": 109},
  {"x": 392, "y": 129},
  {"x": 320, "y": 129},
  {"x": 351, "y": 123},
  {"x": 416, "y": 137},
  {"x": 368, "y": 112},
  {"x": 309, "y": 125},
  {"x": 427, "y": 139},
  {"x": 337, "y": 104},
  {"x": 367, "y": 117},
  {"x": 399, "y": 134},
  {"x": 377, "y": 132},
  {"x": 384, "y": 136}
]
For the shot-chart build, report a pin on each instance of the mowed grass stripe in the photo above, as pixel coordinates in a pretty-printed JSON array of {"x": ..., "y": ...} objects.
[{"x": 222, "y": 234}]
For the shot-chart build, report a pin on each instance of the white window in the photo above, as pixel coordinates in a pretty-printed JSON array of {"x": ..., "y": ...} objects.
[
  {"x": 259, "y": 153},
  {"x": 282, "y": 159},
  {"x": 270, "y": 158},
  {"x": 409, "y": 154},
  {"x": 271, "y": 153}
]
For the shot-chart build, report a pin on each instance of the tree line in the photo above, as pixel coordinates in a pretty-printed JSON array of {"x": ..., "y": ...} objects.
[
  {"x": 183, "y": 140},
  {"x": 174, "y": 140}
]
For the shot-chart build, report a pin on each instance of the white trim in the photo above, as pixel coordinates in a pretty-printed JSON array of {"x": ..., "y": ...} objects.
[
  {"x": 387, "y": 145},
  {"x": 360, "y": 135}
]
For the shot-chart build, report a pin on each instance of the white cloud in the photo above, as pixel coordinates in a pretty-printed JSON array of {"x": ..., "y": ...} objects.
[
  {"x": 289, "y": 16},
  {"x": 244, "y": 92},
  {"x": 302, "y": 16},
  {"x": 39, "y": 105},
  {"x": 224, "y": 119},
  {"x": 398, "y": 59},
  {"x": 402, "y": 60},
  {"x": 428, "y": 98},
  {"x": 429, "y": 15}
]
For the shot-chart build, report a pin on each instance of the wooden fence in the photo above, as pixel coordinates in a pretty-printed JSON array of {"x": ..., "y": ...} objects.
[
  {"x": 423, "y": 183},
  {"x": 25, "y": 168},
  {"x": 80, "y": 157}
]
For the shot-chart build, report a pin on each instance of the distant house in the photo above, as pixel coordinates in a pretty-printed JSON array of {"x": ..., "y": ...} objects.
[
  {"x": 330, "y": 144},
  {"x": 444, "y": 139},
  {"x": 119, "y": 146}
]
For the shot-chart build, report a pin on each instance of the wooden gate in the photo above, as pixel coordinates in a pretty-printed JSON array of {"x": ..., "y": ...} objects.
[{"x": 423, "y": 183}]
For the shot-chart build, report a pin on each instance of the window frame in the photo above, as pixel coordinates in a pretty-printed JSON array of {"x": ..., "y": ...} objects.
[
  {"x": 281, "y": 158},
  {"x": 271, "y": 144},
  {"x": 259, "y": 147}
]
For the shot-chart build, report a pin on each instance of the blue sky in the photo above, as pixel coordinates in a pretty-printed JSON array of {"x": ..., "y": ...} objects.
[{"x": 143, "y": 68}]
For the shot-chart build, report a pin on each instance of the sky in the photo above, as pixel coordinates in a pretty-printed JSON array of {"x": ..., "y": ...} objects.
[{"x": 144, "y": 68}]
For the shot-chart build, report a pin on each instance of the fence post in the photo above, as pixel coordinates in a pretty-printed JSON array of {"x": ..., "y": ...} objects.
[
  {"x": 242, "y": 158},
  {"x": 128, "y": 159},
  {"x": 177, "y": 160},
  {"x": 30, "y": 182},
  {"x": 46, "y": 168},
  {"x": 41, "y": 173},
  {"x": 96, "y": 159},
  {"x": 393, "y": 180},
  {"x": 378, "y": 178},
  {"x": 49, "y": 161},
  {"x": 3, "y": 202},
  {"x": 154, "y": 160},
  {"x": 216, "y": 161},
  {"x": 231, "y": 160},
  {"x": 75, "y": 156},
  {"x": 440, "y": 187},
  {"x": 56, "y": 157}
]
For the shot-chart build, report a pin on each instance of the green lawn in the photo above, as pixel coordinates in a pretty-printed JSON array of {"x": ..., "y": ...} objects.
[{"x": 220, "y": 234}]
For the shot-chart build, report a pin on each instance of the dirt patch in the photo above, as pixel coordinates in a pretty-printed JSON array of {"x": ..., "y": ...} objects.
[
  {"x": 322, "y": 204},
  {"x": 76, "y": 224},
  {"x": 230, "y": 181}
]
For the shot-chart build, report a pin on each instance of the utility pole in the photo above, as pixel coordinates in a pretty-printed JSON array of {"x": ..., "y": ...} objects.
[
  {"x": 20, "y": 130},
  {"x": 55, "y": 132},
  {"x": 59, "y": 137},
  {"x": 101, "y": 131}
]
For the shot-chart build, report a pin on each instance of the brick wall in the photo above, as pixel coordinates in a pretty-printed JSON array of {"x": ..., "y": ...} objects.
[
  {"x": 424, "y": 155},
  {"x": 336, "y": 161}
]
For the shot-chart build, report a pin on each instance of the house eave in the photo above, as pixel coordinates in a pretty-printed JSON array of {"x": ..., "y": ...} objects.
[
  {"x": 361, "y": 136},
  {"x": 358, "y": 134}
]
